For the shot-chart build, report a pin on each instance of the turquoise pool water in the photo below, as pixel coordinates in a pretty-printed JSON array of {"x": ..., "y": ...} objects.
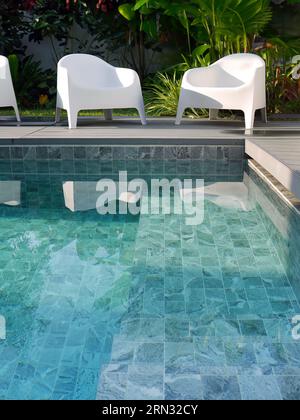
[{"x": 145, "y": 307}]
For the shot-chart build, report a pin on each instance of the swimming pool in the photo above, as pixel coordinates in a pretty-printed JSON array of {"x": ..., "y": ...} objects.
[{"x": 145, "y": 307}]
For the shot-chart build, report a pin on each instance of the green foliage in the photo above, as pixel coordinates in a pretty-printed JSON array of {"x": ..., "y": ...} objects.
[
  {"x": 12, "y": 27},
  {"x": 200, "y": 57},
  {"x": 282, "y": 89},
  {"x": 30, "y": 80},
  {"x": 230, "y": 26},
  {"x": 162, "y": 96},
  {"x": 54, "y": 21}
]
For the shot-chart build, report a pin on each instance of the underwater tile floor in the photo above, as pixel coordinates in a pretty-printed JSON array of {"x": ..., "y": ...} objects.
[{"x": 144, "y": 307}]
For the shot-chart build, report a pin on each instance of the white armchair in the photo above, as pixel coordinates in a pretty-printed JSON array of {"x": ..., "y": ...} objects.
[
  {"x": 7, "y": 93},
  {"x": 87, "y": 82},
  {"x": 236, "y": 82}
]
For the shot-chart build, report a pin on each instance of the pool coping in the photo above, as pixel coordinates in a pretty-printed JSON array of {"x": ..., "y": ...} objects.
[{"x": 290, "y": 199}]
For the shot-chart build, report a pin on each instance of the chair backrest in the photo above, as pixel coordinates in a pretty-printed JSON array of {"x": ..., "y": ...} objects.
[
  {"x": 241, "y": 66},
  {"x": 87, "y": 70}
]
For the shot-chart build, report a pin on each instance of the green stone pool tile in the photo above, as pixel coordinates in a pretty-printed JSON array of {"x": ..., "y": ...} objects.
[
  {"x": 244, "y": 258},
  {"x": 260, "y": 388},
  {"x": 177, "y": 328},
  {"x": 152, "y": 329},
  {"x": 272, "y": 261},
  {"x": 234, "y": 295},
  {"x": 226, "y": 328},
  {"x": 175, "y": 307},
  {"x": 209, "y": 262},
  {"x": 183, "y": 387},
  {"x": 271, "y": 354},
  {"x": 261, "y": 309},
  {"x": 226, "y": 253},
  {"x": 205, "y": 238},
  {"x": 179, "y": 358},
  {"x": 239, "y": 354},
  {"x": 283, "y": 309},
  {"x": 219, "y": 388},
  {"x": 194, "y": 309},
  {"x": 279, "y": 330},
  {"x": 272, "y": 278},
  {"x": 209, "y": 351},
  {"x": 154, "y": 308},
  {"x": 130, "y": 329},
  {"x": 86, "y": 386},
  {"x": 292, "y": 295},
  {"x": 252, "y": 328},
  {"x": 207, "y": 251},
  {"x": 149, "y": 353},
  {"x": 239, "y": 310},
  {"x": 7, "y": 372},
  {"x": 280, "y": 294},
  {"x": 113, "y": 386},
  {"x": 202, "y": 329},
  {"x": 292, "y": 351},
  {"x": 232, "y": 279},
  {"x": 194, "y": 294},
  {"x": 174, "y": 284},
  {"x": 257, "y": 294},
  {"x": 145, "y": 383},
  {"x": 252, "y": 279},
  {"x": 215, "y": 295}
]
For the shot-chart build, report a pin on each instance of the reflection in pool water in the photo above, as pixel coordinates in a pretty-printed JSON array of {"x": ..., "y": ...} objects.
[{"x": 130, "y": 307}]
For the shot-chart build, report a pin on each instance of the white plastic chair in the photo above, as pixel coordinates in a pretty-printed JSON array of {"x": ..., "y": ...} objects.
[
  {"x": 87, "y": 82},
  {"x": 236, "y": 82},
  {"x": 7, "y": 93}
]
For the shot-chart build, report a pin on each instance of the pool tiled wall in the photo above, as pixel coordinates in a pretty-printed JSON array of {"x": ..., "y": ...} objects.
[
  {"x": 284, "y": 229},
  {"x": 213, "y": 161}
]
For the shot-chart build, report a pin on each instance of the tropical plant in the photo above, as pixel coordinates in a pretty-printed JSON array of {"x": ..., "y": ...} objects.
[
  {"x": 12, "y": 27},
  {"x": 200, "y": 57},
  {"x": 148, "y": 28},
  {"x": 30, "y": 80},
  {"x": 281, "y": 87},
  {"x": 162, "y": 96},
  {"x": 62, "y": 22},
  {"x": 230, "y": 26}
]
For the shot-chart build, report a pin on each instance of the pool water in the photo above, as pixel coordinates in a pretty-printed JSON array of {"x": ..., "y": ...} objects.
[{"x": 146, "y": 307}]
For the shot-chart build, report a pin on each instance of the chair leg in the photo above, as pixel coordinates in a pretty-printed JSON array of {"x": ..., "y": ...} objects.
[
  {"x": 180, "y": 112},
  {"x": 17, "y": 114},
  {"x": 249, "y": 119},
  {"x": 72, "y": 119},
  {"x": 57, "y": 115},
  {"x": 142, "y": 114},
  {"x": 213, "y": 114},
  {"x": 264, "y": 115},
  {"x": 108, "y": 115}
]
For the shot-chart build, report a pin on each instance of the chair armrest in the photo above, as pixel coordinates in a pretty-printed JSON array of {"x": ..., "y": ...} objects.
[
  {"x": 195, "y": 76},
  {"x": 64, "y": 85},
  {"x": 128, "y": 77}
]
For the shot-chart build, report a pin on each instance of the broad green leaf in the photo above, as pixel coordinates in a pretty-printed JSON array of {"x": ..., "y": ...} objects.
[{"x": 126, "y": 10}]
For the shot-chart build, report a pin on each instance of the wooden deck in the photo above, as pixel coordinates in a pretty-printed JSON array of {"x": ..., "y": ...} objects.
[{"x": 276, "y": 146}]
